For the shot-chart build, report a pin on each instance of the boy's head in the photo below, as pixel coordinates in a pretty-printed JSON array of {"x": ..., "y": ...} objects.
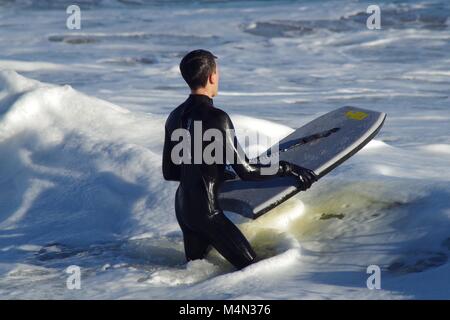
[{"x": 200, "y": 71}]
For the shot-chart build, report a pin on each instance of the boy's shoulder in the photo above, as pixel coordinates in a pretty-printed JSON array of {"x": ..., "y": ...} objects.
[
  {"x": 175, "y": 115},
  {"x": 219, "y": 112}
]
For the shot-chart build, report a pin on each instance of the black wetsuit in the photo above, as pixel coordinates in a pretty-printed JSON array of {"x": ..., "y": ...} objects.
[{"x": 196, "y": 202}]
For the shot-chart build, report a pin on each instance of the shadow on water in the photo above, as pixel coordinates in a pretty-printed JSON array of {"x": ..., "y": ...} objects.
[{"x": 423, "y": 225}]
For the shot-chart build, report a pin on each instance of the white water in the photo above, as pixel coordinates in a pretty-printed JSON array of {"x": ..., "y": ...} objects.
[{"x": 80, "y": 177}]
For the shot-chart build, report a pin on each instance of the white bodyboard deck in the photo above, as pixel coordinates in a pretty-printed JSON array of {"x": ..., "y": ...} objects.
[{"x": 320, "y": 145}]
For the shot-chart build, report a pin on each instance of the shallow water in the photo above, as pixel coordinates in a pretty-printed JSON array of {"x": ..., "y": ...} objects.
[{"x": 80, "y": 177}]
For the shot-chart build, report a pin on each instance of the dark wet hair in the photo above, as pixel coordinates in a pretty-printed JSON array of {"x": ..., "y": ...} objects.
[{"x": 196, "y": 67}]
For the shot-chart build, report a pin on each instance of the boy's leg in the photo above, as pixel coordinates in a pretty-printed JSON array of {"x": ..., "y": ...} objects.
[
  {"x": 195, "y": 245},
  {"x": 229, "y": 241}
]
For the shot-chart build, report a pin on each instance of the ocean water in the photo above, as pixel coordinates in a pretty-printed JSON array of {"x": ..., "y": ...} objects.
[{"x": 81, "y": 133}]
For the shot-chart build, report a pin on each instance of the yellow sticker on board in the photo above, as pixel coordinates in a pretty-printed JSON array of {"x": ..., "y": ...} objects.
[{"x": 356, "y": 115}]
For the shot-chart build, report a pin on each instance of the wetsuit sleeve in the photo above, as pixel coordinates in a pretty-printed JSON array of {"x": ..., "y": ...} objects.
[
  {"x": 170, "y": 170},
  {"x": 236, "y": 156}
]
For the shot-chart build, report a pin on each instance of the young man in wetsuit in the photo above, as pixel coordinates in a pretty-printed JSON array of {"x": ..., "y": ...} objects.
[{"x": 196, "y": 201}]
